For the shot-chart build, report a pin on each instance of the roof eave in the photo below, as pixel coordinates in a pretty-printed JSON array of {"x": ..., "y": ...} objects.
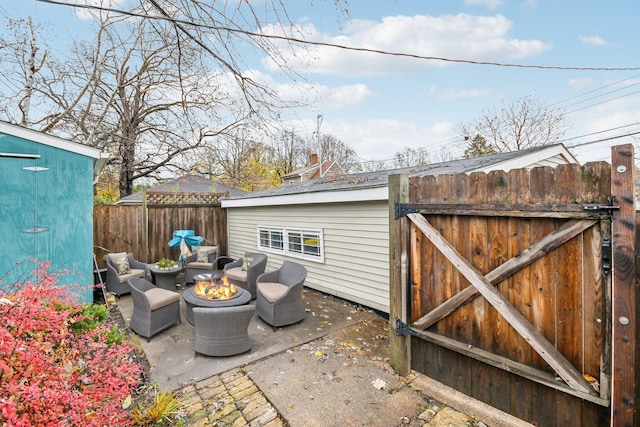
[{"x": 335, "y": 196}]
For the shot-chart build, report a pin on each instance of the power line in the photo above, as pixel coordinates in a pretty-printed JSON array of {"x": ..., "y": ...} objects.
[
  {"x": 597, "y": 141},
  {"x": 334, "y": 45},
  {"x": 599, "y": 132},
  {"x": 595, "y": 90}
]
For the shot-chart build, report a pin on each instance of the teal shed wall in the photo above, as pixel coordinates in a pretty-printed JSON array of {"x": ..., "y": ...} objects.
[{"x": 46, "y": 213}]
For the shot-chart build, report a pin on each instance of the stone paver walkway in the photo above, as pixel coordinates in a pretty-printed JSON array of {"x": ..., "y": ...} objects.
[{"x": 228, "y": 399}]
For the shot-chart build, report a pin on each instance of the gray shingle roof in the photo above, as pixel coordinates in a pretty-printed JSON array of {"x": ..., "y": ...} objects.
[{"x": 380, "y": 178}]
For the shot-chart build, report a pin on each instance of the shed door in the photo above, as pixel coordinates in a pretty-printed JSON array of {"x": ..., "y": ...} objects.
[{"x": 18, "y": 217}]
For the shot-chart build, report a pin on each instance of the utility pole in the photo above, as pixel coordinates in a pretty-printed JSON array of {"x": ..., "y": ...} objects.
[{"x": 319, "y": 118}]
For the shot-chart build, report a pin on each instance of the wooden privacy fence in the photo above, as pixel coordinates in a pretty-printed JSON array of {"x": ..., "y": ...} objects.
[
  {"x": 518, "y": 288},
  {"x": 146, "y": 229}
]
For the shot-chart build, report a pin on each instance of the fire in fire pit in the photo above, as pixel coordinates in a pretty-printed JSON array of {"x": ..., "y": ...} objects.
[{"x": 208, "y": 288}]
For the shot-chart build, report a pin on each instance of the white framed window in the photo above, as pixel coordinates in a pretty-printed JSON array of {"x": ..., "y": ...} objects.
[{"x": 293, "y": 242}]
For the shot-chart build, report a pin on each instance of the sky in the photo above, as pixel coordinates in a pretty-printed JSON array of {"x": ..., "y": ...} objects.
[{"x": 579, "y": 58}]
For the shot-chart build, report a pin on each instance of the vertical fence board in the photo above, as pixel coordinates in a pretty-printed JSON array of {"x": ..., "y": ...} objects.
[
  {"x": 624, "y": 289},
  {"x": 400, "y": 346},
  {"x": 593, "y": 303}
]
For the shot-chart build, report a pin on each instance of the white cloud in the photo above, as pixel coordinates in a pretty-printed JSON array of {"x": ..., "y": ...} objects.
[
  {"x": 491, "y": 4},
  {"x": 453, "y": 94},
  {"x": 460, "y": 36},
  {"x": 90, "y": 14},
  {"x": 580, "y": 83},
  {"x": 347, "y": 95},
  {"x": 604, "y": 122},
  {"x": 380, "y": 139},
  {"x": 592, "y": 40}
]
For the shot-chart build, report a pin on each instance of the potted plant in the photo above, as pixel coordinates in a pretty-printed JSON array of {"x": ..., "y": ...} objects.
[{"x": 165, "y": 263}]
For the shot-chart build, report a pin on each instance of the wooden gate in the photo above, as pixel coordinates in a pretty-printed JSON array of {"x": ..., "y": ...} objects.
[{"x": 502, "y": 288}]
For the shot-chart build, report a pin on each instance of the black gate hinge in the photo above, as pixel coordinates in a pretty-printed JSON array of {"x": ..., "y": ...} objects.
[
  {"x": 402, "y": 329},
  {"x": 404, "y": 209}
]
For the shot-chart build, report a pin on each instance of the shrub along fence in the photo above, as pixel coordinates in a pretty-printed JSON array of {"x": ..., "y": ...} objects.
[{"x": 146, "y": 229}]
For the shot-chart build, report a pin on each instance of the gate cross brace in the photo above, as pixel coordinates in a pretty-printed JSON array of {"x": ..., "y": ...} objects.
[
  {"x": 569, "y": 230},
  {"x": 515, "y": 318}
]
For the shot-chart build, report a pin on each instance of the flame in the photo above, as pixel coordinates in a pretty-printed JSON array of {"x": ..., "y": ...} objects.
[{"x": 210, "y": 290}]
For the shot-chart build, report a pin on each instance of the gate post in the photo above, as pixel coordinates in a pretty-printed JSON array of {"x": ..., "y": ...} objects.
[
  {"x": 624, "y": 392},
  {"x": 400, "y": 346}
]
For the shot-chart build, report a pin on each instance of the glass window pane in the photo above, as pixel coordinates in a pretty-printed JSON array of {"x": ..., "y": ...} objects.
[
  {"x": 295, "y": 242},
  {"x": 276, "y": 240},
  {"x": 311, "y": 244},
  {"x": 264, "y": 238}
]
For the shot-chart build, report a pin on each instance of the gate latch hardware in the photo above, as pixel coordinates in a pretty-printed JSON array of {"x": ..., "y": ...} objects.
[
  {"x": 402, "y": 329},
  {"x": 606, "y": 255},
  {"x": 604, "y": 208}
]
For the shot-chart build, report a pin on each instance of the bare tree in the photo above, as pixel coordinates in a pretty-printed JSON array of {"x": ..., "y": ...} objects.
[
  {"x": 23, "y": 56},
  {"x": 520, "y": 124},
  {"x": 411, "y": 157},
  {"x": 289, "y": 152},
  {"x": 332, "y": 148},
  {"x": 240, "y": 161},
  {"x": 157, "y": 83}
]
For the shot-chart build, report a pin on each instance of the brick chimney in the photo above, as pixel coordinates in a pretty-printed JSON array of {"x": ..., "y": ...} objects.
[{"x": 314, "y": 159}]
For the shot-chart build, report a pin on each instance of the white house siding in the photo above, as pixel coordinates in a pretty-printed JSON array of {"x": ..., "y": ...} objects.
[{"x": 356, "y": 245}]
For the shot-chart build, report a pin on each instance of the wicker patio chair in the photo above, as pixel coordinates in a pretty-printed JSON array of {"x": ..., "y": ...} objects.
[
  {"x": 154, "y": 309},
  {"x": 244, "y": 271},
  {"x": 121, "y": 267},
  {"x": 222, "y": 331},
  {"x": 279, "y": 300},
  {"x": 201, "y": 261}
]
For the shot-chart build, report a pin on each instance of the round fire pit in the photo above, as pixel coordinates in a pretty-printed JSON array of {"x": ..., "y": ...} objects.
[
  {"x": 209, "y": 287},
  {"x": 192, "y": 300}
]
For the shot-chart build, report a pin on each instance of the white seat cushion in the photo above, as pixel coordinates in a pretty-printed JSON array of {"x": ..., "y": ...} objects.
[
  {"x": 134, "y": 272},
  {"x": 272, "y": 291},
  {"x": 201, "y": 265},
  {"x": 159, "y": 297},
  {"x": 236, "y": 273}
]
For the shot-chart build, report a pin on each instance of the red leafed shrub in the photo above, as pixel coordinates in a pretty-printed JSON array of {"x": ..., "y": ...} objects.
[{"x": 51, "y": 374}]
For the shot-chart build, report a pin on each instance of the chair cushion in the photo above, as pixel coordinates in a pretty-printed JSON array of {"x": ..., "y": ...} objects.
[
  {"x": 202, "y": 256},
  {"x": 123, "y": 266},
  {"x": 201, "y": 265},
  {"x": 134, "y": 272},
  {"x": 159, "y": 297},
  {"x": 203, "y": 253},
  {"x": 236, "y": 273},
  {"x": 116, "y": 256},
  {"x": 272, "y": 291},
  {"x": 246, "y": 262}
]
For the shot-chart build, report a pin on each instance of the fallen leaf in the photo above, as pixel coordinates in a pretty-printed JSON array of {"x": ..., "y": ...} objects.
[
  {"x": 379, "y": 383},
  {"x": 126, "y": 403}
]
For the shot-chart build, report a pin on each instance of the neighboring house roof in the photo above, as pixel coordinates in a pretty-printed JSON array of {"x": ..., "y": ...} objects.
[
  {"x": 373, "y": 185},
  {"x": 100, "y": 158},
  {"x": 184, "y": 184},
  {"x": 306, "y": 173}
]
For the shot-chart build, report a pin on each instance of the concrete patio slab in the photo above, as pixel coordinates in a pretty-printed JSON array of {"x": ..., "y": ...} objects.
[{"x": 174, "y": 363}]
